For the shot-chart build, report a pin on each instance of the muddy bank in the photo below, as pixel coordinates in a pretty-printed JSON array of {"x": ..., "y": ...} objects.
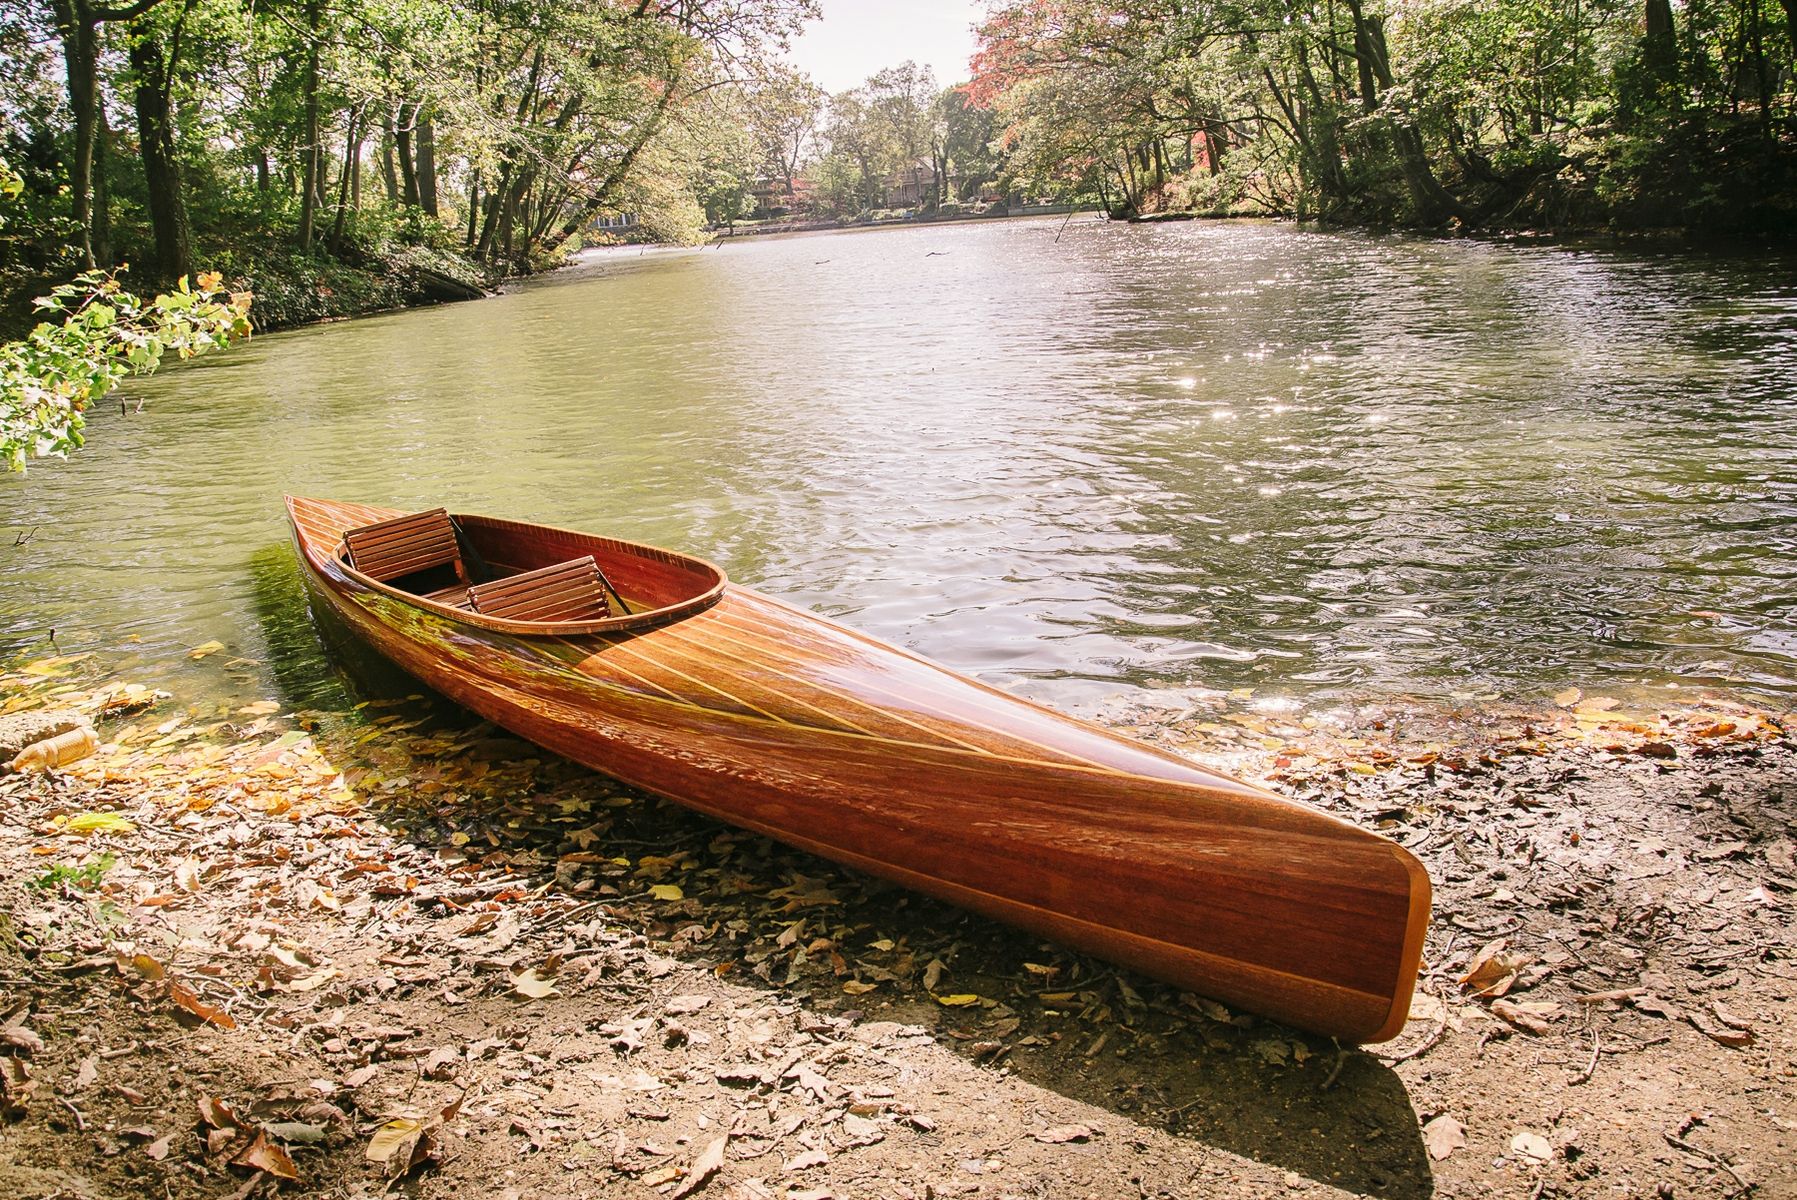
[{"x": 256, "y": 950}]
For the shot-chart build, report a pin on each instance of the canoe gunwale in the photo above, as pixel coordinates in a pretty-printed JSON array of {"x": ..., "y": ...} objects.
[
  {"x": 591, "y": 700},
  {"x": 339, "y": 553}
]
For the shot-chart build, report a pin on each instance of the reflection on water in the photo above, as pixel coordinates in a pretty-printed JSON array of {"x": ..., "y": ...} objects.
[{"x": 1234, "y": 454}]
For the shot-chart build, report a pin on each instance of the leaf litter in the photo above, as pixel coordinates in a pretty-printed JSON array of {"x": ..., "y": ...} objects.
[{"x": 462, "y": 953}]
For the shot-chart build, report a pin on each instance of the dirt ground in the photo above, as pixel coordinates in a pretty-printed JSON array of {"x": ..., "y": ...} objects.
[{"x": 257, "y": 951}]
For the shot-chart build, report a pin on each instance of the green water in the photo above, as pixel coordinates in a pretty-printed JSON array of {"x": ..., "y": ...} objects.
[{"x": 1220, "y": 455}]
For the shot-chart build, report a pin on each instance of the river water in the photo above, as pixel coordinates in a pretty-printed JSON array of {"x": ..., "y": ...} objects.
[{"x": 1077, "y": 461}]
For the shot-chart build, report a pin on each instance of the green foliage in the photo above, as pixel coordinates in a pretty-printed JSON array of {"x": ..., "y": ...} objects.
[
  {"x": 1436, "y": 113},
  {"x": 84, "y": 878},
  {"x": 100, "y": 335}
]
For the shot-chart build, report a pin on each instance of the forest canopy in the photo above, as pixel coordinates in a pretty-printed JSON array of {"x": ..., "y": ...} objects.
[{"x": 336, "y": 156}]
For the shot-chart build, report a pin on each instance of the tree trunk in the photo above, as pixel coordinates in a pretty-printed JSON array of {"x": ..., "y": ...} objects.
[
  {"x": 352, "y": 153},
  {"x": 620, "y": 169},
  {"x": 102, "y": 187},
  {"x": 162, "y": 165},
  {"x": 1790, "y": 7},
  {"x": 473, "y": 208},
  {"x": 80, "y": 35},
  {"x": 389, "y": 173},
  {"x": 1659, "y": 46},
  {"x": 309, "y": 185},
  {"x": 427, "y": 166},
  {"x": 408, "y": 170}
]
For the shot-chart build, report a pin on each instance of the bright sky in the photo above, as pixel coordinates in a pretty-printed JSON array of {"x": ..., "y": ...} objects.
[{"x": 855, "y": 38}]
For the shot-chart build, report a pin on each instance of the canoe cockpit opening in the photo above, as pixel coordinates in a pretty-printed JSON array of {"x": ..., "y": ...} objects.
[{"x": 506, "y": 573}]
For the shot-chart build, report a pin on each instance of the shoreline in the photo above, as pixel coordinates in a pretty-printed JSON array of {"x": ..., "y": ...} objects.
[{"x": 396, "y": 943}]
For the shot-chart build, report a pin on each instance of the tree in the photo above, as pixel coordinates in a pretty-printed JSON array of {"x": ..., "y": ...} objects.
[
  {"x": 782, "y": 112},
  {"x": 78, "y": 25}
]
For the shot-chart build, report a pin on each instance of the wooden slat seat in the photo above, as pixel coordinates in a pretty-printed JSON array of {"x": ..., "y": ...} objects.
[
  {"x": 568, "y": 591},
  {"x": 389, "y": 550}
]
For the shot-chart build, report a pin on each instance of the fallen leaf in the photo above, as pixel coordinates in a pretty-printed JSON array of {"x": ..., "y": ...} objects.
[
  {"x": 1532, "y": 1145},
  {"x": 186, "y": 998},
  {"x": 205, "y": 648},
  {"x": 1493, "y": 969},
  {"x": 533, "y": 986},
  {"x": 1057, "y": 1134},
  {"x": 16, "y": 1086},
  {"x": 1443, "y": 1136},
  {"x": 680, "y": 1006},
  {"x": 98, "y": 822},
  {"x": 21, "y": 1038},
  {"x": 704, "y": 1167},
  {"x": 960, "y": 1000},
  {"x": 1531, "y": 1015},
  {"x": 215, "y": 1114},
  {"x": 264, "y": 1155},
  {"x": 391, "y": 1138},
  {"x": 302, "y": 1133},
  {"x": 667, "y": 891},
  {"x": 1569, "y": 697},
  {"x": 1735, "y": 1038},
  {"x": 805, "y": 1161}
]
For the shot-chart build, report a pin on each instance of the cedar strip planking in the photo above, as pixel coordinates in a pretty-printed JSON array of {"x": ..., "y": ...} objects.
[{"x": 776, "y": 720}]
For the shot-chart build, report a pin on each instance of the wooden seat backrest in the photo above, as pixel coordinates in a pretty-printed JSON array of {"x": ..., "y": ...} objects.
[
  {"x": 568, "y": 591},
  {"x": 405, "y": 545}
]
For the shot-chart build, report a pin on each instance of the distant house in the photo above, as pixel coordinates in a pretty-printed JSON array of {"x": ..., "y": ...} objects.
[
  {"x": 614, "y": 221},
  {"x": 772, "y": 199},
  {"x": 909, "y": 187}
]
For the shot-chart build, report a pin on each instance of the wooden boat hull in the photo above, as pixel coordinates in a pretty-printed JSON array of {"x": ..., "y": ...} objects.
[{"x": 776, "y": 720}]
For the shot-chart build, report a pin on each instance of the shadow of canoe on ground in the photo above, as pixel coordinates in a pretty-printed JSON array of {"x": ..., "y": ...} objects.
[{"x": 846, "y": 944}]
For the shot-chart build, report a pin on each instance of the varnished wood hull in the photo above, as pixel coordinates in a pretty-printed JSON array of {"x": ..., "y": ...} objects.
[{"x": 776, "y": 720}]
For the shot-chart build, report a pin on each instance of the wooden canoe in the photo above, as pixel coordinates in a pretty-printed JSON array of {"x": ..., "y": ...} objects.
[{"x": 776, "y": 720}]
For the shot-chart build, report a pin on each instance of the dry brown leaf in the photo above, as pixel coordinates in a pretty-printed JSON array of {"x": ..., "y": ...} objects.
[
  {"x": 1532, "y": 1146},
  {"x": 16, "y": 1086},
  {"x": 1443, "y": 1136},
  {"x": 1734, "y": 1039},
  {"x": 190, "y": 1002},
  {"x": 1057, "y": 1134},
  {"x": 263, "y": 1154},
  {"x": 804, "y": 1162},
  {"x": 1531, "y": 1015},
  {"x": 707, "y": 1164},
  {"x": 1569, "y": 697},
  {"x": 1493, "y": 969},
  {"x": 215, "y": 1114}
]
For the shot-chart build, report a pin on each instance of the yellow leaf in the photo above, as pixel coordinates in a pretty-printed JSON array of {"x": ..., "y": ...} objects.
[
  {"x": 1363, "y": 768},
  {"x": 260, "y": 708},
  {"x": 533, "y": 986},
  {"x": 98, "y": 822},
  {"x": 1569, "y": 697},
  {"x": 390, "y": 1138},
  {"x": 961, "y": 1000},
  {"x": 855, "y": 987},
  {"x": 667, "y": 891},
  {"x": 203, "y": 650}
]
